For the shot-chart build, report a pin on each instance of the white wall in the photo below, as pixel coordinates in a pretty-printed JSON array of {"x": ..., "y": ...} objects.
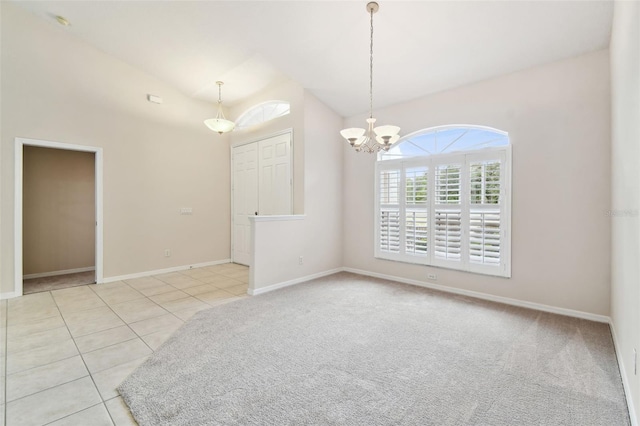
[
  {"x": 625, "y": 189},
  {"x": 316, "y": 236},
  {"x": 557, "y": 117},
  {"x": 157, "y": 158}
]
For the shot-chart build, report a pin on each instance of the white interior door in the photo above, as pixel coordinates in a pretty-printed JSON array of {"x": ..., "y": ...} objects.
[
  {"x": 261, "y": 185},
  {"x": 274, "y": 179},
  {"x": 245, "y": 198}
]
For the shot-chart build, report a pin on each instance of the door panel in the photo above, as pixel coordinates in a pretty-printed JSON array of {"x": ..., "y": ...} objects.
[
  {"x": 245, "y": 199},
  {"x": 262, "y": 184},
  {"x": 275, "y": 175}
]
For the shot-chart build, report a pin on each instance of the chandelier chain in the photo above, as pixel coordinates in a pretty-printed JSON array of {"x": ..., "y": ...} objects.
[{"x": 371, "y": 68}]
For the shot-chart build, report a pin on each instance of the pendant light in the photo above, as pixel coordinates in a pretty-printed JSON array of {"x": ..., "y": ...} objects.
[
  {"x": 220, "y": 124},
  {"x": 372, "y": 139}
]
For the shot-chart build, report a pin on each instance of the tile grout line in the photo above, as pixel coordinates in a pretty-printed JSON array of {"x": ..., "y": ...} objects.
[
  {"x": 182, "y": 290},
  {"x": 83, "y": 362},
  {"x": 126, "y": 323},
  {"x": 55, "y": 386},
  {"x": 145, "y": 296},
  {"x": 94, "y": 332},
  {"x": 107, "y": 346},
  {"x": 27, "y": 322},
  {"x": 84, "y": 409},
  {"x": 6, "y": 366},
  {"x": 43, "y": 365}
]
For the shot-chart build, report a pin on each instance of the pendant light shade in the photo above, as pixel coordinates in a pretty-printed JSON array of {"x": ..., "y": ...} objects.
[
  {"x": 220, "y": 124},
  {"x": 352, "y": 134},
  {"x": 372, "y": 139}
]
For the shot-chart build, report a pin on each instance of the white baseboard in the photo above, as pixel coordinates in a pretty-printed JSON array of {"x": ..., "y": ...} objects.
[
  {"x": 164, "y": 271},
  {"x": 475, "y": 294},
  {"x": 485, "y": 296},
  {"x": 8, "y": 295},
  {"x": 625, "y": 381},
  {"x": 56, "y": 273},
  {"x": 267, "y": 289}
]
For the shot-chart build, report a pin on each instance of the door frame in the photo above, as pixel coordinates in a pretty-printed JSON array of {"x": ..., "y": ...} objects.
[
  {"x": 20, "y": 143},
  {"x": 250, "y": 141}
]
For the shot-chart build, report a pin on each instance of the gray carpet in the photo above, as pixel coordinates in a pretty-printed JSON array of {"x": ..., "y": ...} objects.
[{"x": 350, "y": 350}]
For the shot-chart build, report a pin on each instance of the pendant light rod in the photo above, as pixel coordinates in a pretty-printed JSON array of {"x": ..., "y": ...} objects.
[
  {"x": 219, "y": 83},
  {"x": 220, "y": 124}
]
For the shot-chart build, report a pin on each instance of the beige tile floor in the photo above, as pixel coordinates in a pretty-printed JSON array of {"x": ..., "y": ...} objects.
[{"x": 64, "y": 352}]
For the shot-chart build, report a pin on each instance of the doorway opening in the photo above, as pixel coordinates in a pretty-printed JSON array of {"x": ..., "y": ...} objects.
[{"x": 58, "y": 216}]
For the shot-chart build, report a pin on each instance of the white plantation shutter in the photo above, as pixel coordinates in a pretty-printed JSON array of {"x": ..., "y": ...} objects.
[
  {"x": 484, "y": 237},
  {"x": 485, "y": 224},
  {"x": 448, "y": 234},
  {"x": 390, "y": 230},
  {"x": 416, "y": 232},
  {"x": 448, "y": 183},
  {"x": 416, "y": 224},
  {"x": 450, "y": 211},
  {"x": 389, "y": 211},
  {"x": 485, "y": 181}
]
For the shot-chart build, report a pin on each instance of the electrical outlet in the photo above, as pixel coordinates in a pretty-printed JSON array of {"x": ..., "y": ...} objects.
[
  {"x": 167, "y": 253},
  {"x": 301, "y": 260},
  {"x": 432, "y": 277}
]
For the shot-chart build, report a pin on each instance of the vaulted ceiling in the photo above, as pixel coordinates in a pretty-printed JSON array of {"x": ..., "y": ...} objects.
[{"x": 420, "y": 47}]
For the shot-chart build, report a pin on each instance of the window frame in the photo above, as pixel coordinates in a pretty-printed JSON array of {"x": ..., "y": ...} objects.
[{"x": 465, "y": 158}]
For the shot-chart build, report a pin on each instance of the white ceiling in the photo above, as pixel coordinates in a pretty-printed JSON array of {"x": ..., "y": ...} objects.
[{"x": 420, "y": 47}]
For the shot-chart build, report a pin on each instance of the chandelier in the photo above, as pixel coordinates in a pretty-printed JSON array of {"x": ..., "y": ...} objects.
[
  {"x": 220, "y": 124},
  {"x": 372, "y": 139}
]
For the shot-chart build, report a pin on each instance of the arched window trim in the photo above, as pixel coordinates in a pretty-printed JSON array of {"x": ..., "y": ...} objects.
[
  {"x": 407, "y": 139},
  {"x": 252, "y": 110}
]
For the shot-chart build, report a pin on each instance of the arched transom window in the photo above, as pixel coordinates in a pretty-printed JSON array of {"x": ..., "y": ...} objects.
[
  {"x": 262, "y": 112},
  {"x": 445, "y": 140},
  {"x": 443, "y": 198}
]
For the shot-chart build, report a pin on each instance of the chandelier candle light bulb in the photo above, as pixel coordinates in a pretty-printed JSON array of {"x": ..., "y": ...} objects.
[{"x": 372, "y": 139}]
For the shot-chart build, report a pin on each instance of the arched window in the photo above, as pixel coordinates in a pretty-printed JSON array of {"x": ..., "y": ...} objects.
[
  {"x": 445, "y": 140},
  {"x": 262, "y": 112},
  {"x": 443, "y": 198}
]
